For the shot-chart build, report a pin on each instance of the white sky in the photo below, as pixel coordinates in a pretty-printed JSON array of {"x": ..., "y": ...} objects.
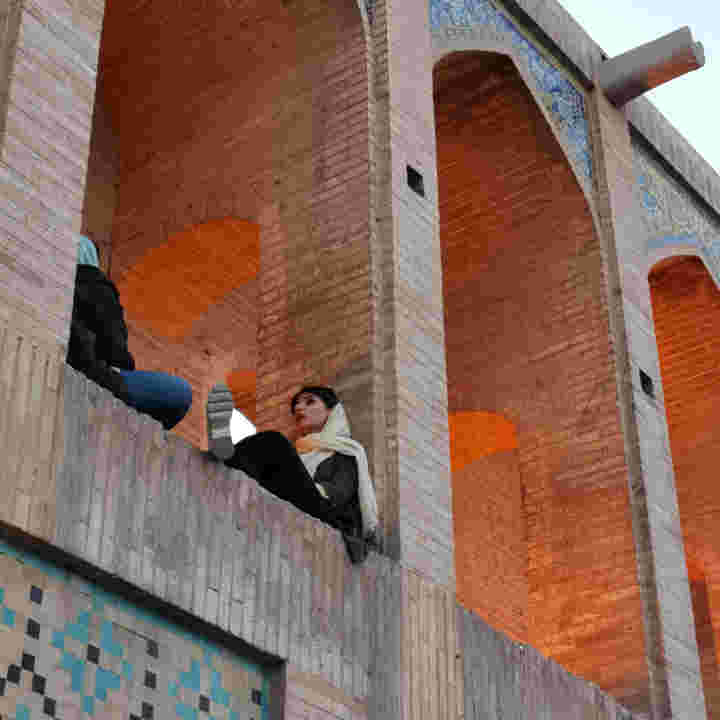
[{"x": 691, "y": 102}]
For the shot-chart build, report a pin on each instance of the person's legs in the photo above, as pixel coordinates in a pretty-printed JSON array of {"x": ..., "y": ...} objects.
[
  {"x": 164, "y": 397},
  {"x": 272, "y": 460}
]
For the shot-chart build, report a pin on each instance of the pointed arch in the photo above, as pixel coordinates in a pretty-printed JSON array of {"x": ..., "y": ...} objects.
[{"x": 527, "y": 339}]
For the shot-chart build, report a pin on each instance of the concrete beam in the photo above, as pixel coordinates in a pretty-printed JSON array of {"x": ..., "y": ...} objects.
[{"x": 627, "y": 76}]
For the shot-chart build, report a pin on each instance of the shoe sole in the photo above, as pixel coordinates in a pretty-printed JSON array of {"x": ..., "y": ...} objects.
[{"x": 219, "y": 412}]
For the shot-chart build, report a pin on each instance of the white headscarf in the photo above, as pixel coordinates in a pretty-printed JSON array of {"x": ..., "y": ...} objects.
[{"x": 335, "y": 437}]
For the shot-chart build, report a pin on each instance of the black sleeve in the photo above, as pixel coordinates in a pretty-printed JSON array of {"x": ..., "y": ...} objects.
[
  {"x": 98, "y": 305},
  {"x": 338, "y": 476},
  {"x": 82, "y": 356}
]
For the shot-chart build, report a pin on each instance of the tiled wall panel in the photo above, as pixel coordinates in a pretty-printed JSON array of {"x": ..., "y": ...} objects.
[{"x": 70, "y": 650}]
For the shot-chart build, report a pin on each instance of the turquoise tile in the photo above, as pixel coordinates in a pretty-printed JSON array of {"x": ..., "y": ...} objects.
[
  {"x": 217, "y": 693},
  {"x": 80, "y": 629},
  {"x": 58, "y": 640},
  {"x": 76, "y": 668},
  {"x": 2, "y": 595},
  {"x": 191, "y": 679},
  {"x": 88, "y": 705},
  {"x": 8, "y": 617},
  {"x": 127, "y": 671},
  {"x": 186, "y": 712},
  {"x": 173, "y": 689},
  {"x": 106, "y": 640},
  {"x": 105, "y": 680},
  {"x": 22, "y": 712}
]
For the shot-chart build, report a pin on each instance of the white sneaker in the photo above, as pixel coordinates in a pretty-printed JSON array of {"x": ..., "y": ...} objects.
[{"x": 219, "y": 412}]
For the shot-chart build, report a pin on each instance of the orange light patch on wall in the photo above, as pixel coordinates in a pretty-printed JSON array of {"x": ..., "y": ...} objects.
[
  {"x": 475, "y": 434},
  {"x": 243, "y": 385},
  {"x": 175, "y": 284}
]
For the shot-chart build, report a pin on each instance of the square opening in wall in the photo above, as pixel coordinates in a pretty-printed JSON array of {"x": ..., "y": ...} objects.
[
  {"x": 415, "y": 181},
  {"x": 646, "y": 384}
]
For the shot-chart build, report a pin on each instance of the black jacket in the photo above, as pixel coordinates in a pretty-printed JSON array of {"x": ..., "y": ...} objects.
[
  {"x": 338, "y": 476},
  {"x": 98, "y": 334}
]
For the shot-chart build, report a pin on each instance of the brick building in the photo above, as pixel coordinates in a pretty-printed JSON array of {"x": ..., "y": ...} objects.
[{"x": 464, "y": 217}]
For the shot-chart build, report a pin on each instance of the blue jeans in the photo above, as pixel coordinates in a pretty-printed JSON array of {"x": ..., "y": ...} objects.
[{"x": 164, "y": 397}]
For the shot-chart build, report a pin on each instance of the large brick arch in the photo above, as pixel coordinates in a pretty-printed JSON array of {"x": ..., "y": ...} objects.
[
  {"x": 529, "y": 350},
  {"x": 253, "y": 112},
  {"x": 686, "y": 312}
]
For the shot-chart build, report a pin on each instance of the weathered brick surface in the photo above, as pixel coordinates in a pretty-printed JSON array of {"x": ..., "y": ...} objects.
[
  {"x": 686, "y": 310},
  {"x": 145, "y": 507},
  {"x": 507, "y": 680},
  {"x": 45, "y": 140},
  {"x": 419, "y": 506},
  {"x": 673, "y": 661},
  {"x": 277, "y": 135},
  {"x": 527, "y": 336}
]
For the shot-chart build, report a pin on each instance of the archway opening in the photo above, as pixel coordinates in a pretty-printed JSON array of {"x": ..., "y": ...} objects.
[
  {"x": 228, "y": 191},
  {"x": 686, "y": 312},
  {"x": 543, "y": 530}
]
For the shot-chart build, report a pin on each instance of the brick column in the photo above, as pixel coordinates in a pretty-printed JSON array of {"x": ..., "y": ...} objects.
[
  {"x": 416, "y": 388},
  {"x": 50, "y": 53},
  {"x": 671, "y": 648}
]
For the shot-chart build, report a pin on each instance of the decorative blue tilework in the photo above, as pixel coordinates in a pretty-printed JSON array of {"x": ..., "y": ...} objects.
[
  {"x": 116, "y": 655},
  {"x": 565, "y": 103},
  {"x": 672, "y": 216}
]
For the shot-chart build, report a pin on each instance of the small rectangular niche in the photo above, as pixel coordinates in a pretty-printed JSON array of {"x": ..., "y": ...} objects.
[
  {"x": 415, "y": 181},
  {"x": 646, "y": 383}
]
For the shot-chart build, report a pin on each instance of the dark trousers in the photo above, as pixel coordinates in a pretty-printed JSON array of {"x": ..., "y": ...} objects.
[{"x": 271, "y": 459}]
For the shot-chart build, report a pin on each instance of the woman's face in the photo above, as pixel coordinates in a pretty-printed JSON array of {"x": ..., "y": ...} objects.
[{"x": 310, "y": 414}]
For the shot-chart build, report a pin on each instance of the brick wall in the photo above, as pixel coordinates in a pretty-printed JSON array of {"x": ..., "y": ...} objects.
[
  {"x": 45, "y": 138},
  {"x": 528, "y": 337},
  {"x": 419, "y": 501},
  {"x": 101, "y": 185},
  {"x": 275, "y": 133},
  {"x": 686, "y": 309},
  {"x": 506, "y": 679}
]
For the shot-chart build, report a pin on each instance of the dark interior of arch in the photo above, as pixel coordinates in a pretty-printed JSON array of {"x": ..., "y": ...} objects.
[
  {"x": 544, "y": 545},
  {"x": 229, "y": 153}
]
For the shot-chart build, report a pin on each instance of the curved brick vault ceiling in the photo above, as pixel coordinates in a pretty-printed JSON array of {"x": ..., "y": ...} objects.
[
  {"x": 544, "y": 546},
  {"x": 215, "y": 114},
  {"x": 686, "y": 310}
]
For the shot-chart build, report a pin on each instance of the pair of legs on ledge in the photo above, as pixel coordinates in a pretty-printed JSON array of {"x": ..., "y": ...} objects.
[{"x": 320, "y": 479}]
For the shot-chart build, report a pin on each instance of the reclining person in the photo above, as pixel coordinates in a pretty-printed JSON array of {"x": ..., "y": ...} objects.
[
  {"x": 98, "y": 347},
  {"x": 325, "y": 473}
]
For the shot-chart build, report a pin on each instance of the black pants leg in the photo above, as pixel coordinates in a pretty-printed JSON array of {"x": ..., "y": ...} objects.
[{"x": 272, "y": 460}]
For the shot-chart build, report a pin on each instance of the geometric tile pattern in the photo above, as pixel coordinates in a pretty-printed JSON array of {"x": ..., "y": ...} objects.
[
  {"x": 563, "y": 100},
  {"x": 672, "y": 216},
  {"x": 70, "y": 650}
]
